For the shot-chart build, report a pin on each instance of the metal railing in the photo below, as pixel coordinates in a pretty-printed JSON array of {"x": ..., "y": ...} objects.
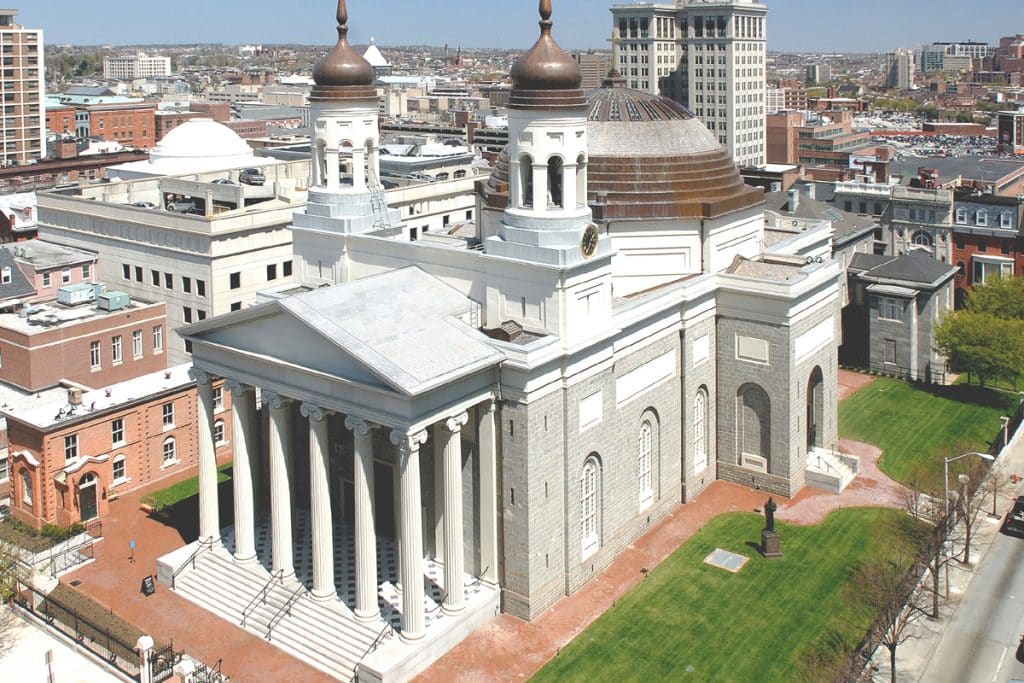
[
  {"x": 69, "y": 558},
  {"x": 285, "y": 610},
  {"x": 204, "y": 544},
  {"x": 91, "y": 636},
  {"x": 261, "y": 597},
  {"x": 929, "y": 375},
  {"x": 209, "y": 674},
  {"x": 384, "y": 634}
]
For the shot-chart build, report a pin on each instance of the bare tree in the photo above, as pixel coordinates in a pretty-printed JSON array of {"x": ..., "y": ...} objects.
[
  {"x": 887, "y": 587},
  {"x": 923, "y": 500},
  {"x": 971, "y": 498}
]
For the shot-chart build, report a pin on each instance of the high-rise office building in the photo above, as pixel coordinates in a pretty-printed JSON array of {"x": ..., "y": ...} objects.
[
  {"x": 706, "y": 54},
  {"x": 818, "y": 74},
  {"x": 900, "y": 69},
  {"x": 21, "y": 79}
]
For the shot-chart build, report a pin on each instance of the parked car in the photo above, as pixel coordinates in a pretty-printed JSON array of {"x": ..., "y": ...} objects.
[
  {"x": 144, "y": 205},
  {"x": 223, "y": 181},
  {"x": 1014, "y": 523},
  {"x": 182, "y": 206},
  {"x": 252, "y": 176}
]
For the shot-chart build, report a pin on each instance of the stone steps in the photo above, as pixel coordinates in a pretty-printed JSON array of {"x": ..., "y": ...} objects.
[
  {"x": 324, "y": 635},
  {"x": 826, "y": 470}
]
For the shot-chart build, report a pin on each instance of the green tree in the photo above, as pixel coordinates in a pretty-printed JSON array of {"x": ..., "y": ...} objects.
[
  {"x": 982, "y": 343},
  {"x": 1002, "y": 297}
]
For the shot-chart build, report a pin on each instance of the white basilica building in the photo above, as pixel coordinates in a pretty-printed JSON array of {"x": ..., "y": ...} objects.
[{"x": 433, "y": 431}]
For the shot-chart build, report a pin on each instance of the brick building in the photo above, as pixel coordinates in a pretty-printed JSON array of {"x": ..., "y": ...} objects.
[
  {"x": 21, "y": 80},
  {"x": 131, "y": 124},
  {"x": 51, "y": 266},
  {"x": 60, "y": 120},
  {"x": 72, "y": 452},
  {"x": 986, "y": 238}
]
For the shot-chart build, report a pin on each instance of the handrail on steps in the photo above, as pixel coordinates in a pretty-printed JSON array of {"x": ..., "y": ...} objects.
[
  {"x": 204, "y": 544},
  {"x": 261, "y": 596}
]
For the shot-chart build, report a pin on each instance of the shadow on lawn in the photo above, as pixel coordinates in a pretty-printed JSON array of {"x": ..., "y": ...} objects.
[
  {"x": 974, "y": 394},
  {"x": 183, "y": 516}
]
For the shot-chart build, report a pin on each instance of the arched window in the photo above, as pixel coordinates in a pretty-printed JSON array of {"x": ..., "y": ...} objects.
[
  {"x": 441, "y": 176},
  {"x": 26, "y": 487},
  {"x": 581, "y": 180},
  {"x": 700, "y": 431},
  {"x": 556, "y": 180},
  {"x": 120, "y": 468},
  {"x": 645, "y": 456},
  {"x": 218, "y": 432},
  {"x": 526, "y": 180},
  {"x": 170, "y": 452},
  {"x": 589, "y": 483},
  {"x": 923, "y": 239}
]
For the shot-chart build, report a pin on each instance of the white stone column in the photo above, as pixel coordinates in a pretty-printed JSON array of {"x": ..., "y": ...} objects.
[
  {"x": 281, "y": 483},
  {"x": 366, "y": 535},
  {"x": 320, "y": 503},
  {"x": 243, "y": 436},
  {"x": 488, "y": 492},
  {"x": 412, "y": 533},
  {"x": 540, "y": 187},
  {"x": 209, "y": 511},
  {"x": 455, "y": 594},
  {"x": 333, "y": 160}
]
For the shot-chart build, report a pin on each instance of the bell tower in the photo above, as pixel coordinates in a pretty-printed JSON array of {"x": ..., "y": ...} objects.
[{"x": 548, "y": 219}]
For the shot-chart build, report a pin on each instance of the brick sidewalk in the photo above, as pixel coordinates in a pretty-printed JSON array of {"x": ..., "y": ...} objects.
[
  {"x": 115, "y": 582},
  {"x": 516, "y": 649}
]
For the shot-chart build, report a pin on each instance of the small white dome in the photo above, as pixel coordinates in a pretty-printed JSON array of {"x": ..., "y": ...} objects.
[{"x": 201, "y": 139}]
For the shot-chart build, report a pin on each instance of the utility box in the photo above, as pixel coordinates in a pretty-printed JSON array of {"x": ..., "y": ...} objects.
[
  {"x": 76, "y": 295},
  {"x": 113, "y": 301}
]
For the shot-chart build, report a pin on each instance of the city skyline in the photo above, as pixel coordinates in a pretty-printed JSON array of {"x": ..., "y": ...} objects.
[{"x": 580, "y": 24}]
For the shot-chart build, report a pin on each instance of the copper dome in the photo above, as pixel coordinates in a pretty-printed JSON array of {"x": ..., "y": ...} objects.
[
  {"x": 546, "y": 77},
  {"x": 343, "y": 73},
  {"x": 649, "y": 158}
]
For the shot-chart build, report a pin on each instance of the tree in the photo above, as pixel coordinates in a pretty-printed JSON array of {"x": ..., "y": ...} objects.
[
  {"x": 888, "y": 588},
  {"x": 977, "y": 485},
  {"x": 1002, "y": 297},
  {"x": 982, "y": 343}
]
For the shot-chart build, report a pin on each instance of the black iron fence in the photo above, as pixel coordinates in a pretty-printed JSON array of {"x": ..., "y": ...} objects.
[
  {"x": 97, "y": 639},
  {"x": 929, "y": 375}
]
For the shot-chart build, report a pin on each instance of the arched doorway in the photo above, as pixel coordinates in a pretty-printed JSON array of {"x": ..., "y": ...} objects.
[
  {"x": 815, "y": 408},
  {"x": 87, "y": 497}
]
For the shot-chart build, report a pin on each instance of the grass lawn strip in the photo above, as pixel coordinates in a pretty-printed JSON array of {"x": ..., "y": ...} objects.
[
  {"x": 689, "y": 620},
  {"x": 183, "y": 490},
  {"x": 916, "y": 427},
  {"x": 66, "y": 602}
]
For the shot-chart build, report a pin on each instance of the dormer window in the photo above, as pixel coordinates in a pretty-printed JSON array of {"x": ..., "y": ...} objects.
[
  {"x": 1006, "y": 220},
  {"x": 961, "y": 216},
  {"x": 981, "y": 218},
  {"x": 5, "y": 276}
]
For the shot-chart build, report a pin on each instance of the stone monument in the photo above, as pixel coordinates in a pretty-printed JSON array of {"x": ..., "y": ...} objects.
[{"x": 770, "y": 544}]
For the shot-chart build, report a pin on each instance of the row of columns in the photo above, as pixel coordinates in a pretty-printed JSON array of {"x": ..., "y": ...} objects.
[
  {"x": 410, "y": 547},
  {"x": 363, "y": 164}
]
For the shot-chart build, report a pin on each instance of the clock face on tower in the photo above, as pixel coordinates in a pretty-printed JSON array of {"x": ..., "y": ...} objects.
[{"x": 588, "y": 244}]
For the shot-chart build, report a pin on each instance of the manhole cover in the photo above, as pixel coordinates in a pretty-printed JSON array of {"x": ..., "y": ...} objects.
[
  {"x": 76, "y": 583},
  {"x": 723, "y": 559}
]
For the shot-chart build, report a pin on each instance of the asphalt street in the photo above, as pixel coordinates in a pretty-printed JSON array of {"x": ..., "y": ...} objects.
[{"x": 982, "y": 643}]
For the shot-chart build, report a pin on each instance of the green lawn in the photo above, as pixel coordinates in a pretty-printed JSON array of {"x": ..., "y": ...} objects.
[
  {"x": 916, "y": 427},
  {"x": 183, "y": 490},
  {"x": 691, "y": 621}
]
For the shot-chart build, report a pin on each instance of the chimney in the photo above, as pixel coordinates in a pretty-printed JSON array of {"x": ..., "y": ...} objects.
[
  {"x": 794, "y": 199},
  {"x": 75, "y": 396}
]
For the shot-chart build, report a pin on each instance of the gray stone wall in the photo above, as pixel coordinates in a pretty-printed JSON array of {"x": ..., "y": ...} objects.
[{"x": 696, "y": 376}]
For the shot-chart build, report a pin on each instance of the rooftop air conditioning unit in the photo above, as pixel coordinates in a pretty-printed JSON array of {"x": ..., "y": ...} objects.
[
  {"x": 76, "y": 295},
  {"x": 113, "y": 301}
]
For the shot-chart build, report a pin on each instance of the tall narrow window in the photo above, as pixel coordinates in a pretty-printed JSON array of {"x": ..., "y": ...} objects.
[
  {"x": 115, "y": 349},
  {"x": 94, "y": 355},
  {"x": 588, "y": 508},
  {"x": 70, "y": 447},
  {"x": 169, "y": 452},
  {"x": 158, "y": 338},
  {"x": 556, "y": 180},
  {"x": 137, "y": 344},
  {"x": 645, "y": 448},
  {"x": 526, "y": 179},
  {"x": 26, "y": 487},
  {"x": 700, "y": 431},
  {"x": 167, "y": 414},
  {"x": 117, "y": 432}
]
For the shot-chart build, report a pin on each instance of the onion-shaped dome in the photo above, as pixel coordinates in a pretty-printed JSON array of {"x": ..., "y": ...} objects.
[
  {"x": 343, "y": 74},
  {"x": 546, "y": 78}
]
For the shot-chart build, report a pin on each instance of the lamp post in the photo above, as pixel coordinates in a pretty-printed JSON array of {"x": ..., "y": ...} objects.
[{"x": 945, "y": 498}]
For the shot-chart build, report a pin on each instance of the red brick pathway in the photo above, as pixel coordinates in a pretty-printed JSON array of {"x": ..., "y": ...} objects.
[
  {"x": 850, "y": 382},
  {"x": 516, "y": 649},
  {"x": 115, "y": 583}
]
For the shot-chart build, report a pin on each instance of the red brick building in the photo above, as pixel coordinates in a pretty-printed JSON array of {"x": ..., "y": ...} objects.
[
  {"x": 132, "y": 125},
  {"x": 60, "y": 120},
  {"x": 987, "y": 238},
  {"x": 72, "y": 452}
]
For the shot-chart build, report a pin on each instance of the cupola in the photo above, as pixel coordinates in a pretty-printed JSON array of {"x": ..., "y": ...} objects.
[
  {"x": 546, "y": 78},
  {"x": 343, "y": 73}
]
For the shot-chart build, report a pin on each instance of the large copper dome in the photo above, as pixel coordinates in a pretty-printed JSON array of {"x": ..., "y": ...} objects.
[
  {"x": 650, "y": 158},
  {"x": 343, "y": 73},
  {"x": 546, "y": 78}
]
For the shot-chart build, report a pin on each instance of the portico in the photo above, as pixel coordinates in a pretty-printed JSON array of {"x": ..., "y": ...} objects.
[{"x": 353, "y": 440}]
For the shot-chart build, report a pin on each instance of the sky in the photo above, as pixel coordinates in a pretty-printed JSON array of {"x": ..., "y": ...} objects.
[{"x": 793, "y": 25}]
